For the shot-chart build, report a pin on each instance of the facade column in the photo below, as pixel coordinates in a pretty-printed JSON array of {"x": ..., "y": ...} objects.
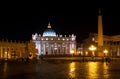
[
  {"x": 39, "y": 48},
  {"x": 1, "y": 52},
  {"x": 66, "y": 48},
  {"x": 51, "y": 50},
  {"x": 57, "y": 51},
  {"x": 44, "y": 48},
  {"x": 6, "y": 53},
  {"x": 70, "y": 47},
  {"x": 7, "y": 49},
  {"x": 118, "y": 52},
  {"x": 61, "y": 49},
  {"x": 10, "y": 52},
  {"x": 48, "y": 49},
  {"x": 20, "y": 55},
  {"x": 75, "y": 48}
]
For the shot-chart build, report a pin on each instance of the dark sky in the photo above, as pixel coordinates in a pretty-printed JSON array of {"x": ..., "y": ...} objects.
[{"x": 19, "y": 22}]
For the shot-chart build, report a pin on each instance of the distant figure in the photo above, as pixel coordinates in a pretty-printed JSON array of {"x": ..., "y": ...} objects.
[{"x": 107, "y": 59}]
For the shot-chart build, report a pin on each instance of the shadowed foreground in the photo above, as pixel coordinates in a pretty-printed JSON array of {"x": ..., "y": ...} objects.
[{"x": 60, "y": 70}]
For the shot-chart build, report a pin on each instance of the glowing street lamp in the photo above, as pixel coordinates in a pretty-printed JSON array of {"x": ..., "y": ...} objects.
[
  {"x": 92, "y": 48},
  {"x": 105, "y": 52},
  {"x": 72, "y": 52}
]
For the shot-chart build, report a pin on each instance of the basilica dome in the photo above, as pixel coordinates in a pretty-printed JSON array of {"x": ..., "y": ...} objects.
[{"x": 49, "y": 31}]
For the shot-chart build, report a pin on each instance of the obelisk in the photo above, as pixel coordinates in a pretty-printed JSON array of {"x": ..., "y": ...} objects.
[{"x": 100, "y": 34}]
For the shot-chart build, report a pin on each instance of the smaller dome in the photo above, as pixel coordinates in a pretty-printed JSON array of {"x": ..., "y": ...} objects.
[{"x": 49, "y": 31}]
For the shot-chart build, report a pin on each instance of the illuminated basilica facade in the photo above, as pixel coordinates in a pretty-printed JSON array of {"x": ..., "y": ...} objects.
[{"x": 49, "y": 43}]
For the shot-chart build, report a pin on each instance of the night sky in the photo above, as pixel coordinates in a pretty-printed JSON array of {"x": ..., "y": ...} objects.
[{"x": 20, "y": 22}]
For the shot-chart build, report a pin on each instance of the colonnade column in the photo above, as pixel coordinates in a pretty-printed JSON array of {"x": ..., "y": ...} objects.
[
  {"x": 67, "y": 47},
  {"x": 1, "y": 53},
  {"x": 49, "y": 49},
  {"x": 70, "y": 47},
  {"x": 44, "y": 52},
  {"x": 118, "y": 52}
]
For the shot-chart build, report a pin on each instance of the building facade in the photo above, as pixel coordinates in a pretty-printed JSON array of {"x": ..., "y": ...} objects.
[
  {"x": 101, "y": 43},
  {"x": 110, "y": 43},
  {"x": 49, "y": 43},
  {"x": 16, "y": 50}
]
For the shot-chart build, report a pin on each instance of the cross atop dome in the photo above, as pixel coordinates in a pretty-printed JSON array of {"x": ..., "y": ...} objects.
[{"x": 49, "y": 26}]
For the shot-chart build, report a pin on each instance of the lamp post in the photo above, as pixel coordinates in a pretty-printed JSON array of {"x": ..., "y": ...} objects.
[
  {"x": 105, "y": 52},
  {"x": 92, "y": 48}
]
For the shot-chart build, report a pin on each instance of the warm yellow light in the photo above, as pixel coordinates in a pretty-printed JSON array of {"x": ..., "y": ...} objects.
[
  {"x": 105, "y": 51},
  {"x": 72, "y": 51},
  {"x": 6, "y": 55},
  {"x": 30, "y": 56},
  {"x": 86, "y": 53},
  {"x": 81, "y": 53},
  {"x": 92, "y": 48},
  {"x": 92, "y": 68},
  {"x": 5, "y": 52},
  {"x": 72, "y": 73}
]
